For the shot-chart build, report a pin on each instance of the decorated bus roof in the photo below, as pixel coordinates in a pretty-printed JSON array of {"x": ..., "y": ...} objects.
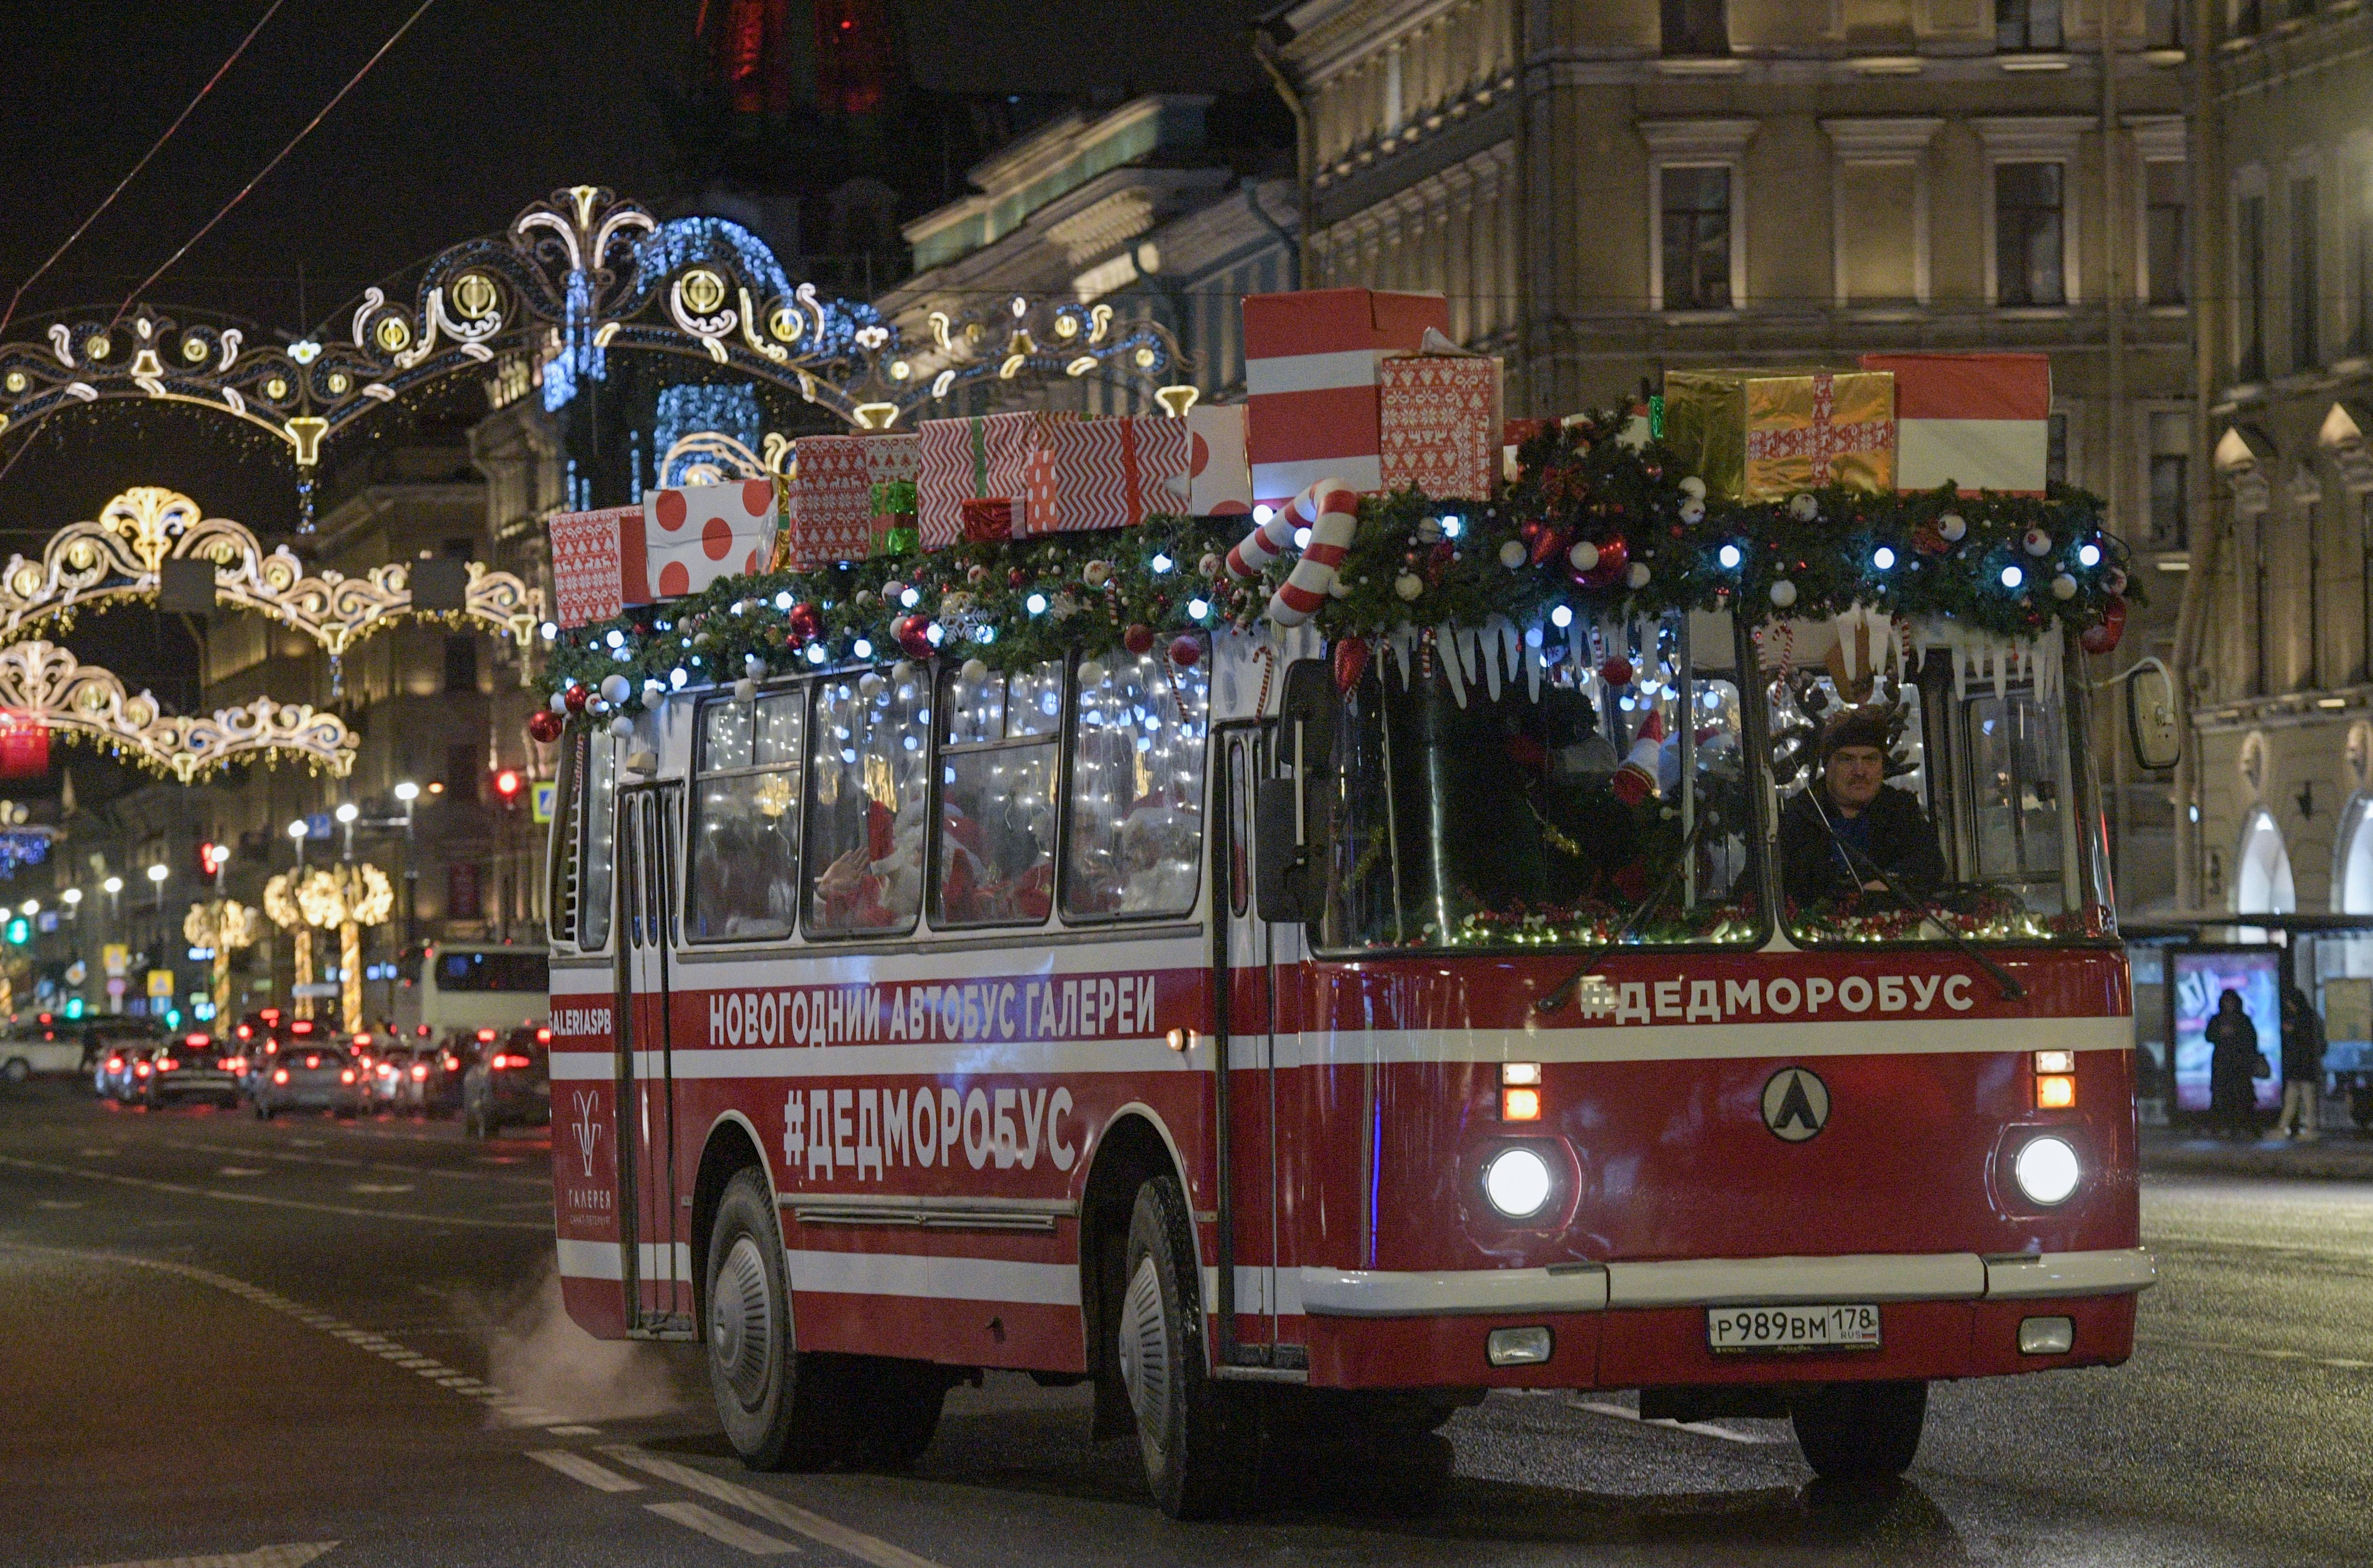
[{"x": 1594, "y": 528}]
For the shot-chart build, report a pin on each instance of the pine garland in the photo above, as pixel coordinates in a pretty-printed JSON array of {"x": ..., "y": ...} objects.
[{"x": 2001, "y": 563}]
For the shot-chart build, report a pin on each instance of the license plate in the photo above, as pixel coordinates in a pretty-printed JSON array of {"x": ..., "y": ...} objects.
[{"x": 1792, "y": 1328}]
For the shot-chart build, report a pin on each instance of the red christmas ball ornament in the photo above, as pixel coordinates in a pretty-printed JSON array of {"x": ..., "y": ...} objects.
[
  {"x": 544, "y": 726},
  {"x": 914, "y": 634},
  {"x": 1137, "y": 638},
  {"x": 1186, "y": 651},
  {"x": 1350, "y": 663},
  {"x": 1614, "y": 555},
  {"x": 575, "y": 699},
  {"x": 2106, "y": 634},
  {"x": 1616, "y": 672},
  {"x": 1549, "y": 543},
  {"x": 1929, "y": 540},
  {"x": 1016, "y": 578},
  {"x": 805, "y": 621}
]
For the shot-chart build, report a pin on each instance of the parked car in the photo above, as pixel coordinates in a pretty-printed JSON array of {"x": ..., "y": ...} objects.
[
  {"x": 193, "y": 1068},
  {"x": 511, "y": 1081},
  {"x": 320, "y": 1076},
  {"x": 43, "y": 1043}
]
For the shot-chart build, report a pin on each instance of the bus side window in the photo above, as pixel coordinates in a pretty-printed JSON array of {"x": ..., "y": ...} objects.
[
  {"x": 561, "y": 869},
  {"x": 1240, "y": 824},
  {"x": 1135, "y": 847},
  {"x": 868, "y": 754},
  {"x": 996, "y": 843},
  {"x": 597, "y": 826},
  {"x": 745, "y": 826}
]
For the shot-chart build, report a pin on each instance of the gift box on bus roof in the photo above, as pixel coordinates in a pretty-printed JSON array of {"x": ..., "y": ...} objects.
[
  {"x": 1439, "y": 421},
  {"x": 1763, "y": 435},
  {"x": 678, "y": 542},
  {"x": 1977, "y": 421},
  {"x": 985, "y": 456},
  {"x": 1091, "y": 474},
  {"x": 830, "y": 512},
  {"x": 1312, "y": 361}
]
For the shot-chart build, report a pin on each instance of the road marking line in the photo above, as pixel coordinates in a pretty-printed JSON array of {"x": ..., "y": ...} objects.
[
  {"x": 577, "y": 1466},
  {"x": 2344, "y": 1364},
  {"x": 1702, "y": 1428},
  {"x": 379, "y": 1189},
  {"x": 815, "y": 1526},
  {"x": 183, "y": 1189},
  {"x": 574, "y": 1431},
  {"x": 294, "y": 1555},
  {"x": 691, "y": 1516},
  {"x": 239, "y": 1171}
]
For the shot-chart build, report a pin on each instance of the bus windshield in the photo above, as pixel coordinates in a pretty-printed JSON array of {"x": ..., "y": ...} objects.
[{"x": 1591, "y": 789}]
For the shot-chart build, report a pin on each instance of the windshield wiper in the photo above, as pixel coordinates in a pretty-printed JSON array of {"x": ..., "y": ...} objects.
[
  {"x": 2011, "y": 989},
  {"x": 1555, "y": 998}
]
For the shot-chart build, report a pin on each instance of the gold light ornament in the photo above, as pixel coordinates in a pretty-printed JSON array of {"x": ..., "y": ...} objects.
[
  {"x": 70, "y": 698},
  {"x": 222, "y": 924}
]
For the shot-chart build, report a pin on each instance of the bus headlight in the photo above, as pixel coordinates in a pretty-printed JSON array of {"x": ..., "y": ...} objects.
[
  {"x": 1517, "y": 1183},
  {"x": 2046, "y": 1170}
]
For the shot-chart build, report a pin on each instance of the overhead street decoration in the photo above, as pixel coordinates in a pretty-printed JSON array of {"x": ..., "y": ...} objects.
[
  {"x": 125, "y": 555},
  {"x": 45, "y": 682},
  {"x": 574, "y": 278}
]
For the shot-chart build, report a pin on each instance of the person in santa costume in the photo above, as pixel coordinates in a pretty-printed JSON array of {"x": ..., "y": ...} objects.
[{"x": 1848, "y": 833}]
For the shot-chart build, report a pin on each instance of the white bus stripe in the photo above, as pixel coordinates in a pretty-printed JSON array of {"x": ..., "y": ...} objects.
[{"x": 939, "y": 1278}]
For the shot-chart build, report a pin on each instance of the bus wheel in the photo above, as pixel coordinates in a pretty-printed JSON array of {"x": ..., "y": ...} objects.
[
  {"x": 777, "y": 1405},
  {"x": 1861, "y": 1433},
  {"x": 1193, "y": 1461}
]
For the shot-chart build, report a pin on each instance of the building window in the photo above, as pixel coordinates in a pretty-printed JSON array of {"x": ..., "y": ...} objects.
[
  {"x": 2361, "y": 224},
  {"x": 1696, "y": 214},
  {"x": 2024, "y": 25},
  {"x": 2248, "y": 18},
  {"x": 2027, "y": 235},
  {"x": 460, "y": 664},
  {"x": 461, "y": 771},
  {"x": 2171, "y": 460},
  {"x": 2303, "y": 300},
  {"x": 2163, "y": 23},
  {"x": 2249, "y": 287},
  {"x": 1696, "y": 27},
  {"x": 2055, "y": 449},
  {"x": 2165, "y": 235}
]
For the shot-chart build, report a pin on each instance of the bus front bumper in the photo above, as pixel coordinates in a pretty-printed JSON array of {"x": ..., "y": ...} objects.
[{"x": 1630, "y": 1324}]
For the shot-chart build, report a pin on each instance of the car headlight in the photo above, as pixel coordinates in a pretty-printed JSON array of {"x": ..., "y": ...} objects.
[
  {"x": 1517, "y": 1183},
  {"x": 2046, "y": 1170}
]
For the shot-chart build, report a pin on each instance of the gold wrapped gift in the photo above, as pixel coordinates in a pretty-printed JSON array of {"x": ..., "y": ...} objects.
[{"x": 1764, "y": 434}]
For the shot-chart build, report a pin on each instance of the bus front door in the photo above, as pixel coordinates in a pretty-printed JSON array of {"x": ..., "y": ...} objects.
[
  {"x": 1248, "y": 998},
  {"x": 656, "y": 1258}
]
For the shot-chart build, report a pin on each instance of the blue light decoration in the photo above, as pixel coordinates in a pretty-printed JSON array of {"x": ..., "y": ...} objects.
[
  {"x": 730, "y": 408},
  {"x": 22, "y": 849},
  {"x": 579, "y": 357}
]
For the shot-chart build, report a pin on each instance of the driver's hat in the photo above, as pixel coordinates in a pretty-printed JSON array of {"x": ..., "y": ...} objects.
[{"x": 1856, "y": 727}]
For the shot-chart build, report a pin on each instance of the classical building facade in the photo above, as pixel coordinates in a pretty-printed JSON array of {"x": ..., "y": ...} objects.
[{"x": 1608, "y": 189}]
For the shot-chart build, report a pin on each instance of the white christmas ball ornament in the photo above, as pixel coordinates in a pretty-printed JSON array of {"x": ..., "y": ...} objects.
[
  {"x": 871, "y": 685},
  {"x": 1582, "y": 557},
  {"x": 623, "y": 727},
  {"x": 2063, "y": 587},
  {"x": 2036, "y": 541},
  {"x": 1408, "y": 585},
  {"x": 1693, "y": 511},
  {"x": 1512, "y": 555},
  {"x": 753, "y": 666},
  {"x": 1095, "y": 573},
  {"x": 559, "y": 702},
  {"x": 975, "y": 671},
  {"x": 2114, "y": 580},
  {"x": 1693, "y": 487},
  {"x": 616, "y": 688},
  {"x": 1784, "y": 593},
  {"x": 1429, "y": 529},
  {"x": 1092, "y": 673},
  {"x": 745, "y": 690},
  {"x": 1637, "y": 574},
  {"x": 1803, "y": 506},
  {"x": 1211, "y": 565},
  {"x": 1951, "y": 528}
]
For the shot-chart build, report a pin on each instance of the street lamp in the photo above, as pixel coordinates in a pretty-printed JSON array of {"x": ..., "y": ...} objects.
[
  {"x": 347, "y": 812},
  {"x": 72, "y": 899},
  {"x": 296, "y": 832},
  {"x": 408, "y": 793},
  {"x": 156, "y": 874},
  {"x": 30, "y": 908}
]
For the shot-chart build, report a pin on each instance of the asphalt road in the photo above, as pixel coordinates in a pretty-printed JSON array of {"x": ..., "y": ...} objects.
[{"x": 224, "y": 1342}]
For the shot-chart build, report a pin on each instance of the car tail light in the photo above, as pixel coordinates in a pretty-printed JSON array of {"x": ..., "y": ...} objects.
[
  {"x": 302, "y": 1026},
  {"x": 244, "y": 1033},
  {"x": 347, "y": 1076},
  {"x": 504, "y": 1060},
  {"x": 543, "y": 1036},
  {"x": 280, "y": 1075},
  {"x": 235, "y": 1065},
  {"x": 419, "y": 1072},
  {"x": 450, "y": 1061},
  {"x": 312, "y": 1062},
  {"x": 362, "y": 1039},
  {"x": 486, "y": 1036},
  {"x": 115, "y": 1064},
  {"x": 197, "y": 1041},
  {"x": 140, "y": 1070},
  {"x": 166, "y": 1064},
  {"x": 386, "y": 1069}
]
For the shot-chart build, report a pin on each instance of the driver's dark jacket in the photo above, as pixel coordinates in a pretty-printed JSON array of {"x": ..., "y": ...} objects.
[{"x": 1814, "y": 866}]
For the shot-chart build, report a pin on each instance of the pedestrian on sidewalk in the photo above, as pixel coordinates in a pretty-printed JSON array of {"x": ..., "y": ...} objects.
[
  {"x": 2234, "y": 1067},
  {"x": 2303, "y": 1043}
]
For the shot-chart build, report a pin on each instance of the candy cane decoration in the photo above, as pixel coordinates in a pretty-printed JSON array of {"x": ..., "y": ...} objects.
[{"x": 1330, "y": 509}]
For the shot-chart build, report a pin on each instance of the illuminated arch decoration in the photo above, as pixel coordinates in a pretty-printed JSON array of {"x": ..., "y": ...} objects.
[
  {"x": 712, "y": 457},
  {"x": 45, "y": 682},
  {"x": 121, "y": 555},
  {"x": 575, "y": 277}
]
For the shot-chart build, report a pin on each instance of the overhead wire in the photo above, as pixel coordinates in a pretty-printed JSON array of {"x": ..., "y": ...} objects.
[
  {"x": 220, "y": 71},
  {"x": 240, "y": 194}
]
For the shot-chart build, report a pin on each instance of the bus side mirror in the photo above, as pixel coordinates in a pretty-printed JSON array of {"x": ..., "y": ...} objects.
[
  {"x": 2153, "y": 726},
  {"x": 1287, "y": 826},
  {"x": 1280, "y": 861}
]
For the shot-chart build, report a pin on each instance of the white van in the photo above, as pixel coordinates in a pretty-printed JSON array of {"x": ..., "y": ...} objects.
[{"x": 43, "y": 1042}]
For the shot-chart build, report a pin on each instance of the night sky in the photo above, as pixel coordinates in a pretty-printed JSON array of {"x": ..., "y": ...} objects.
[{"x": 485, "y": 106}]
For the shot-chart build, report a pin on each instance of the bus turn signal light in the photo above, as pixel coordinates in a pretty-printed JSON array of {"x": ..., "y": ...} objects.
[
  {"x": 2054, "y": 1092},
  {"x": 2056, "y": 1061},
  {"x": 1520, "y": 1104}
]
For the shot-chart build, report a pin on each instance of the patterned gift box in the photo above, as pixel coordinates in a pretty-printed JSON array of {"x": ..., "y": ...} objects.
[
  {"x": 588, "y": 553},
  {"x": 988, "y": 519},
  {"x": 1094, "y": 474},
  {"x": 1311, "y": 365},
  {"x": 958, "y": 458},
  {"x": 831, "y": 512},
  {"x": 693, "y": 535},
  {"x": 1764, "y": 434},
  {"x": 1975, "y": 421},
  {"x": 1218, "y": 479},
  {"x": 1439, "y": 423}
]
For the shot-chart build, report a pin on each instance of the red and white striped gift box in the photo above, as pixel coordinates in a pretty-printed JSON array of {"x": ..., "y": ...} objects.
[
  {"x": 693, "y": 535},
  {"x": 1091, "y": 474},
  {"x": 588, "y": 553},
  {"x": 960, "y": 459},
  {"x": 1979, "y": 421},
  {"x": 1311, "y": 365}
]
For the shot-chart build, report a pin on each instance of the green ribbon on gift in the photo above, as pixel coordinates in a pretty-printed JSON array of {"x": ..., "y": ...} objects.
[
  {"x": 979, "y": 455},
  {"x": 892, "y": 495}
]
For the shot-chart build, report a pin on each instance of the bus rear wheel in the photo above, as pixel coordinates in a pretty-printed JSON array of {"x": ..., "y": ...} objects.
[
  {"x": 779, "y": 1407},
  {"x": 1194, "y": 1457},
  {"x": 1861, "y": 1435}
]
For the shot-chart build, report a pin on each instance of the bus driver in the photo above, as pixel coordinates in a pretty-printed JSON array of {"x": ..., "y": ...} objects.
[{"x": 1848, "y": 833}]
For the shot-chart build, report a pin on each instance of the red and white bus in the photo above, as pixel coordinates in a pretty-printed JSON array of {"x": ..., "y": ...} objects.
[{"x": 1263, "y": 1036}]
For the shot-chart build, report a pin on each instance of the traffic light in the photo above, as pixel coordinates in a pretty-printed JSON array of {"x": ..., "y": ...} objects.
[
  {"x": 212, "y": 858},
  {"x": 507, "y": 785},
  {"x": 19, "y": 930}
]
